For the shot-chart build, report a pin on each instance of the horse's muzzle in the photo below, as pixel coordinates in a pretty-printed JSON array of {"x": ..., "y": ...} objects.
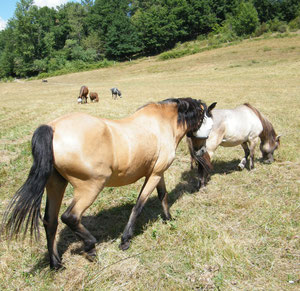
[{"x": 268, "y": 161}]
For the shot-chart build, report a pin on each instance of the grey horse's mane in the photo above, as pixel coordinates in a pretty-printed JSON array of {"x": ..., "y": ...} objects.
[{"x": 268, "y": 129}]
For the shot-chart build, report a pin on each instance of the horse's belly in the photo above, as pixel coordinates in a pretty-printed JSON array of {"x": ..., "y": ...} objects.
[
  {"x": 116, "y": 180},
  {"x": 226, "y": 143},
  {"x": 232, "y": 141}
]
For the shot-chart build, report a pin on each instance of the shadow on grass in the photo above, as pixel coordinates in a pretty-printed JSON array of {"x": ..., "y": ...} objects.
[
  {"x": 109, "y": 224},
  {"x": 222, "y": 167}
]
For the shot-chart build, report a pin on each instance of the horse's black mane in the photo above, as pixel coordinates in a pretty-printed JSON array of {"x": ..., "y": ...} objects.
[{"x": 190, "y": 111}]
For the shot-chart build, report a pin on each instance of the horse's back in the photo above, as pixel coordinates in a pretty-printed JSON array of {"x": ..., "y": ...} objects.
[
  {"x": 236, "y": 126},
  {"x": 83, "y": 91}
]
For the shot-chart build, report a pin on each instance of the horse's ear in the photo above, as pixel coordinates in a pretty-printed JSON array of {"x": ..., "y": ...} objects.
[
  {"x": 278, "y": 137},
  {"x": 211, "y": 107}
]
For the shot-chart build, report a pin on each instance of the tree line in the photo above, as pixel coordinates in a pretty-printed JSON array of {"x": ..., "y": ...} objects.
[{"x": 42, "y": 40}]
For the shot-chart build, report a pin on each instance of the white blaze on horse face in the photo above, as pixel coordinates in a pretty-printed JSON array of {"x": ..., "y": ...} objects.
[{"x": 205, "y": 128}]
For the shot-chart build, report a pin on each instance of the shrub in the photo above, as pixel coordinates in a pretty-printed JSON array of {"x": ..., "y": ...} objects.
[
  {"x": 277, "y": 25},
  {"x": 295, "y": 24},
  {"x": 261, "y": 29},
  {"x": 246, "y": 20},
  {"x": 174, "y": 54}
]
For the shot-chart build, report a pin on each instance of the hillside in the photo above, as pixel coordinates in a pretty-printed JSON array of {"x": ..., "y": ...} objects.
[{"x": 240, "y": 233}]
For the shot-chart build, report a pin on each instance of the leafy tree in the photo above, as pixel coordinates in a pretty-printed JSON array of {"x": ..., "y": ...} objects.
[
  {"x": 221, "y": 8},
  {"x": 157, "y": 29},
  {"x": 246, "y": 20},
  {"x": 122, "y": 40},
  {"x": 75, "y": 16},
  {"x": 201, "y": 17},
  {"x": 6, "y": 53},
  {"x": 281, "y": 9},
  {"x": 267, "y": 9}
]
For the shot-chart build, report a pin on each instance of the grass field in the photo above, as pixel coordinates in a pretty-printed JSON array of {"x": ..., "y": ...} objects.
[{"x": 240, "y": 233}]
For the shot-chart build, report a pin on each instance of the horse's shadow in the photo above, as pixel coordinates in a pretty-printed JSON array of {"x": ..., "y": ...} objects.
[
  {"x": 225, "y": 167},
  {"x": 228, "y": 167},
  {"x": 108, "y": 224}
]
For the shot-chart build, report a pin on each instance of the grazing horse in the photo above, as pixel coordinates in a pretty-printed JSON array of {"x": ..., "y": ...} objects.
[
  {"x": 115, "y": 93},
  {"x": 231, "y": 127},
  {"x": 94, "y": 97},
  {"x": 65, "y": 152},
  {"x": 83, "y": 93}
]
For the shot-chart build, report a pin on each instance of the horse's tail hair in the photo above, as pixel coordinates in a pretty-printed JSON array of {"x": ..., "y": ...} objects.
[{"x": 23, "y": 211}]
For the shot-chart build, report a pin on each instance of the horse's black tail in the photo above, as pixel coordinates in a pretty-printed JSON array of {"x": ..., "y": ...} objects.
[{"x": 23, "y": 210}]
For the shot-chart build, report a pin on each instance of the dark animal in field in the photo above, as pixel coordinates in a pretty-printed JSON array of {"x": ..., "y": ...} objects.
[
  {"x": 44, "y": 81},
  {"x": 83, "y": 94},
  {"x": 244, "y": 126},
  {"x": 94, "y": 97},
  {"x": 64, "y": 151},
  {"x": 115, "y": 93}
]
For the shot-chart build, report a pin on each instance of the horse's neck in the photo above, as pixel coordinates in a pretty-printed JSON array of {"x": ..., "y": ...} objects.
[{"x": 268, "y": 130}]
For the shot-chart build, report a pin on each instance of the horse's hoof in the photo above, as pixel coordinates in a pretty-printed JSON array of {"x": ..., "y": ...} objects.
[
  {"x": 124, "y": 246},
  {"x": 56, "y": 267},
  {"x": 91, "y": 255},
  {"x": 241, "y": 167}
]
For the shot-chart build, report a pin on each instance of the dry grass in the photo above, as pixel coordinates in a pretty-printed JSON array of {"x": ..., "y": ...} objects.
[{"x": 240, "y": 233}]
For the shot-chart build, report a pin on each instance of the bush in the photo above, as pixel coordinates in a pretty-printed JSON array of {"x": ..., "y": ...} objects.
[
  {"x": 261, "y": 29},
  {"x": 295, "y": 24},
  {"x": 277, "y": 25},
  {"x": 56, "y": 63},
  {"x": 174, "y": 54},
  {"x": 246, "y": 21},
  {"x": 223, "y": 33}
]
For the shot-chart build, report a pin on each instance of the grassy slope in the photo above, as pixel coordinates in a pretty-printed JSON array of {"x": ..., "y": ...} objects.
[{"x": 241, "y": 232}]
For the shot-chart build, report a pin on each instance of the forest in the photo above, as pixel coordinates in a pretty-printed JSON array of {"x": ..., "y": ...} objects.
[{"x": 92, "y": 34}]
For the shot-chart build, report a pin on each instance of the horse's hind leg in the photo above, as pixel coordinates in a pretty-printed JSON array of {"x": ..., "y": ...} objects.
[
  {"x": 56, "y": 186},
  {"x": 84, "y": 195},
  {"x": 163, "y": 197},
  {"x": 243, "y": 161}
]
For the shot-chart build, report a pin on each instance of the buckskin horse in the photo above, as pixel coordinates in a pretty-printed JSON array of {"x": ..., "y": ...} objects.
[
  {"x": 83, "y": 93},
  {"x": 244, "y": 126},
  {"x": 65, "y": 152}
]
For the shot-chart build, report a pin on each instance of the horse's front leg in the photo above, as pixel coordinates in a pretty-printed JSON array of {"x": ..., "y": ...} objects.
[
  {"x": 163, "y": 197},
  {"x": 252, "y": 145},
  {"x": 243, "y": 161},
  {"x": 147, "y": 189}
]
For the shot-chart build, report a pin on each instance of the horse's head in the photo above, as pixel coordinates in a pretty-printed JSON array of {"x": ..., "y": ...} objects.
[
  {"x": 193, "y": 115},
  {"x": 205, "y": 128},
  {"x": 267, "y": 148}
]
